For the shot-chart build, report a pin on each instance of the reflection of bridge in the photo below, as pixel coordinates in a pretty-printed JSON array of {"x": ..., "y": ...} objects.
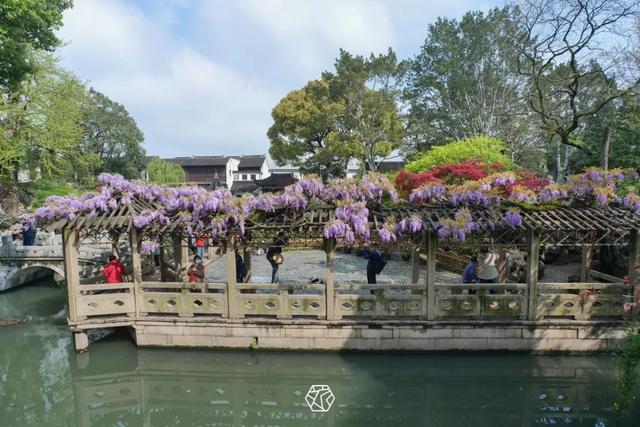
[
  {"x": 23, "y": 264},
  {"x": 198, "y": 388}
]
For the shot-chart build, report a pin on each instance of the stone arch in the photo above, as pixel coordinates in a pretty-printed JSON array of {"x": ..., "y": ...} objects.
[{"x": 28, "y": 272}]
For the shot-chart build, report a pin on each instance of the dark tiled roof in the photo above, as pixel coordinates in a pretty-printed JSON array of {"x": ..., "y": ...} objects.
[
  {"x": 250, "y": 162},
  {"x": 244, "y": 187},
  {"x": 200, "y": 160},
  {"x": 278, "y": 180},
  {"x": 391, "y": 166}
]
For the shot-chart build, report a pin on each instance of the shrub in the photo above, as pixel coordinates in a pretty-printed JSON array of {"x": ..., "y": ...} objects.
[
  {"x": 406, "y": 182},
  {"x": 485, "y": 149},
  {"x": 457, "y": 173}
]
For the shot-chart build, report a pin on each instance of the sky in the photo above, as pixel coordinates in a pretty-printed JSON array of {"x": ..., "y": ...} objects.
[{"x": 200, "y": 77}]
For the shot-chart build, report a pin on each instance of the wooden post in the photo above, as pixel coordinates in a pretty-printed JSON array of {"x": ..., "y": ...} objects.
[
  {"x": 329, "y": 247},
  {"x": 502, "y": 265},
  {"x": 415, "y": 265},
  {"x": 71, "y": 249},
  {"x": 432, "y": 247},
  {"x": 163, "y": 261},
  {"x": 136, "y": 267},
  {"x": 232, "y": 293},
  {"x": 585, "y": 262},
  {"x": 533, "y": 248},
  {"x": 247, "y": 263}
]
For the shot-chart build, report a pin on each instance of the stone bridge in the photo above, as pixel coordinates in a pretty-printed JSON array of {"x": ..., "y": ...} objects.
[{"x": 23, "y": 264}]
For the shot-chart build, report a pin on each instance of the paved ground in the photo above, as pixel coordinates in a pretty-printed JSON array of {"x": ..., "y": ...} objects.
[{"x": 303, "y": 266}]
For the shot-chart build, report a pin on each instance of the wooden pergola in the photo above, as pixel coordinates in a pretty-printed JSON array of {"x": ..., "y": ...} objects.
[{"x": 171, "y": 298}]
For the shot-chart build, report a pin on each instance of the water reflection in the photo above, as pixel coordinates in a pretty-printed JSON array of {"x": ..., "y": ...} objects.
[{"x": 43, "y": 382}]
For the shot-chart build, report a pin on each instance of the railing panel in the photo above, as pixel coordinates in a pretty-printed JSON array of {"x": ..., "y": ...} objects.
[
  {"x": 581, "y": 300},
  {"x": 484, "y": 300},
  {"x": 107, "y": 299},
  {"x": 393, "y": 300},
  {"x": 183, "y": 299}
]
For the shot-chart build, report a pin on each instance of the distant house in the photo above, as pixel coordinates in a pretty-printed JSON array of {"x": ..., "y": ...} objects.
[{"x": 201, "y": 170}]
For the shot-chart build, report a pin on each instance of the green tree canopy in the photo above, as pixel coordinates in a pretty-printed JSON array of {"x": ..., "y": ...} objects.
[
  {"x": 163, "y": 172},
  {"x": 486, "y": 148},
  {"x": 350, "y": 113},
  {"x": 40, "y": 124},
  {"x": 26, "y": 26},
  {"x": 111, "y": 139},
  {"x": 460, "y": 84}
]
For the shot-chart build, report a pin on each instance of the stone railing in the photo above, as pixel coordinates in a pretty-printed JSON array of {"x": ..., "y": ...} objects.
[{"x": 577, "y": 301}]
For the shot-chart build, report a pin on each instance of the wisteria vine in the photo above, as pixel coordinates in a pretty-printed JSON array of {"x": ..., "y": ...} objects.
[{"x": 214, "y": 213}]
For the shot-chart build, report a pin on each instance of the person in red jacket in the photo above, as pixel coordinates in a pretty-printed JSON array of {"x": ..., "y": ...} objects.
[{"x": 113, "y": 271}]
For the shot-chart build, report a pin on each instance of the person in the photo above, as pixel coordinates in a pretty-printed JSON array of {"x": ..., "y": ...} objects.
[
  {"x": 470, "y": 273},
  {"x": 241, "y": 269},
  {"x": 113, "y": 271},
  {"x": 274, "y": 255},
  {"x": 375, "y": 265},
  {"x": 487, "y": 271},
  {"x": 200, "y": 246},
  {"x": 28, "y": 235},
  {"x": 196, "y": 271}
]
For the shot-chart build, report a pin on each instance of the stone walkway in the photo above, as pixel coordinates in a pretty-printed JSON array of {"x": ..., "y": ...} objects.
[{"x": 304, "y": 266}]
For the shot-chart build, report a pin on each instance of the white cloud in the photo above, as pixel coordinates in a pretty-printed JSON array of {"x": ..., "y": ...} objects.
[
  {"x": 201, "y": 76},
  {"x": 184, "y": 102}
]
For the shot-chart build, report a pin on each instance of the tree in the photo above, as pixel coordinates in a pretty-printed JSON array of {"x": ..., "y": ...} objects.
[
  {"x": 370, "y": 122},
  {"x": 40, "y": 124},
  {"x": 111, "y": 140},
  {"x": 461, "y": 85},
  {"x": 575, "y": 58},
  {"x": 620, "y": 122},
  {"x": 26, "y": 26},
  {"x": 302, "y": 122},
  {"x": 351, "y": 113},
  {"x": 163, "y": 172}
]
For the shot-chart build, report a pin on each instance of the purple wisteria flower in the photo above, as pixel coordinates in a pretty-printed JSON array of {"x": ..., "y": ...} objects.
[{"x": 513, "y": 218}]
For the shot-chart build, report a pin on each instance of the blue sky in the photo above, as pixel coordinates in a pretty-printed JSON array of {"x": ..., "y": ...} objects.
[{"x": 201, "y": 77}]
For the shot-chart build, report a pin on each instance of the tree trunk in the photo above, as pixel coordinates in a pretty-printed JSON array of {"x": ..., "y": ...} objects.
[{"x": 604, "y": 148}]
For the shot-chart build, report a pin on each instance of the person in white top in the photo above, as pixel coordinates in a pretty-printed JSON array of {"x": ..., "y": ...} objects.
[{"x": 487, "y": 271}]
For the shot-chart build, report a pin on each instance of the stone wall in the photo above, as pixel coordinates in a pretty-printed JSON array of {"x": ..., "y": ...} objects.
[{"x": 417, "y": 336}]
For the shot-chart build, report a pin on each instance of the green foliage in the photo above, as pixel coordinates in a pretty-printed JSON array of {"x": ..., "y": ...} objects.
[
  {"x": 623, "y": 120},
  {"x": 111, "y": 140},
  {"x": 627, "y": 359},
  {"x": 163, "y": 172},
  {"x": 44, "y": 188},
  {"x": 485, "y": 148},
  {"x": 460, "y": 84},
  {"x": 40, "y": 123},
  {"x": 349, "y": 114},
  {"x": 26, "y": 26}
]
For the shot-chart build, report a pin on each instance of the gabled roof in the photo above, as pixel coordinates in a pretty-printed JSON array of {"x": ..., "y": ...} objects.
[
  {"x": 251, "y": 161},
  {"x": 200, "y": 160}
]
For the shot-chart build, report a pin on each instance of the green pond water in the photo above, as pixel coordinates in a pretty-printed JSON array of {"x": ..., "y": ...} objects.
[{"x": 43, "y": 382}]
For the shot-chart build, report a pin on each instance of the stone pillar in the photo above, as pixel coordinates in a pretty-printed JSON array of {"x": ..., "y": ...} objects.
[
  {"x": 232, "y": 291},
  {"x": 180, "y": 256},
  {"x": 585, "y": 262},
  {"x": 136, "y": 267},
  {"x": 81, "y": 341},
  {"x": 431, "y": 249},
  {"x": 329, "y": 246},
  {"x": 71, "y": 250},
  {"x": 415, "y": 266},
  {"x": 634, "y": 251},
  {"x": 533, "y": 250},
  {"x": 247, "y": 262}
]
